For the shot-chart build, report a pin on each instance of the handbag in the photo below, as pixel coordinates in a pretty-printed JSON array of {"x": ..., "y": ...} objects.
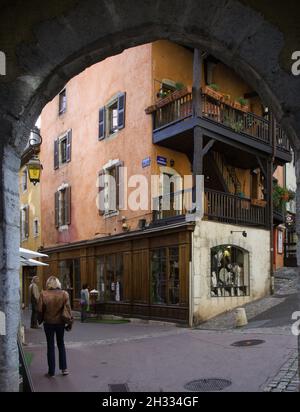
[{"x": 66, "y": 315}]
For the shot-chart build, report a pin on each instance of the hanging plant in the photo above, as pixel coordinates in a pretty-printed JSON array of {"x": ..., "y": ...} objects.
[{"x": 280, "y": 196}]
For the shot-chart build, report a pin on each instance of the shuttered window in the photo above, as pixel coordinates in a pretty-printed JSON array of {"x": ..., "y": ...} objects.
[
  {"x": 63, "y": 207},
  {"x": 111, "y": 189},
  {"x": 112, "y": 116},
  {"x": 62, "y": 149},
  {"x": 62, "y": 102}
]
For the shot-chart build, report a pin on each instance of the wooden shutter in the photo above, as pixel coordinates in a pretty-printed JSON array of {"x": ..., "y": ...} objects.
[
  {"x": 68, "y": 206},
  {"x": 101, "y": 135},
  {"x": 27, "y": 221},
  {"x": 101, "y": 185},
  {"x": 56, "y": 154},
  {"x": 121, "y": 110},
  {"x": 69, "y": 145},
  {"x": 56, "y": 208},
  {"x": 119, "y": 186}
]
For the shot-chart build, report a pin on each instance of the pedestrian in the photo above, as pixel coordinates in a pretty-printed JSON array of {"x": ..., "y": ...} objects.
[
  {"x": 34, "y": 295},
  {"x": 84, "y": 301},
  {"x": 55, "y": 311}
]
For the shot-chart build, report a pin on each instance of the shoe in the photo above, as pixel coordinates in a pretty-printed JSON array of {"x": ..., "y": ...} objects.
[
  {"x": 65, "y": 372},
  {"x": 48, "y": 375}
]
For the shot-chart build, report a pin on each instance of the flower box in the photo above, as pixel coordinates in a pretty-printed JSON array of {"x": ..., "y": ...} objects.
[
  {"x": 213, "y": 93},
  {"x": 258, "y": 202}
]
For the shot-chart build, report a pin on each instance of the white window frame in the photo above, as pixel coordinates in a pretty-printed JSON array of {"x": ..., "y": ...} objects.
[
  {"x": 23, "y": 222},
  {"x": 60, "y": 140},
  {"x": 106, "y": 168},
  {"x": 108, "y": 107},
  {"x": 61, "y": 188}
]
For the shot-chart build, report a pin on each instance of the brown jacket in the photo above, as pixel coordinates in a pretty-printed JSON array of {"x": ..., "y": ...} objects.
[{"x": 51, "y": 305}]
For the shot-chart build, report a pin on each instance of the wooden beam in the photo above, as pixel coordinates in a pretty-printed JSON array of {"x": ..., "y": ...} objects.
[
  {"x": 198, "y": 151},
  {"x": 197, "y": 78},
  {"x": 261, "y": 166},
  {"x": 208, "y": 146}
]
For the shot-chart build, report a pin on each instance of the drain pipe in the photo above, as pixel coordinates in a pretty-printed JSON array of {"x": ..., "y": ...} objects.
[{"x": 272, "y": 131}]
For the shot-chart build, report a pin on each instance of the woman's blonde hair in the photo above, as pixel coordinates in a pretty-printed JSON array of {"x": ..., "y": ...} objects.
[{"x": 53, "y": 283}]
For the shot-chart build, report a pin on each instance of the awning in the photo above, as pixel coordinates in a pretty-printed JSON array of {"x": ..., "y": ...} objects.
[
  {"x": 26, "y": 257},
  {"x": 29, "y": 254},
  {"x": 32, "y": 262}
]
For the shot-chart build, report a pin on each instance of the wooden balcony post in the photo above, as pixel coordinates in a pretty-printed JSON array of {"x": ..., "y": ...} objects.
[{"x": 196, "y": 90}]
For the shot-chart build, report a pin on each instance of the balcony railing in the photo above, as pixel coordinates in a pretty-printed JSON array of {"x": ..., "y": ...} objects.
[
  {"x": 222, "y": 113},
  {"x": 218, "y": 206}
]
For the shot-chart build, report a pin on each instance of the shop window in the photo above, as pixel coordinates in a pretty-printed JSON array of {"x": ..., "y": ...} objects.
[
  {"x": 165, "y": 275},
  {"x": 62, "y": 102},
  {"x": 110, "y": 278},
  {"x": 70, "y": 278},
  {"x": 229, "y": 271}
]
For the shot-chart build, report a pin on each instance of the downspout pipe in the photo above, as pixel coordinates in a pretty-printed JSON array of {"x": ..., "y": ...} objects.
[{"x": 272, "y": 125}]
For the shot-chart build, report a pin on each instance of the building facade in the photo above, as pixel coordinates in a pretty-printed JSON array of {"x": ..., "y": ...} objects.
[
  {"x": 123, "y": 209},
  {"x": 30, "y": 223}
]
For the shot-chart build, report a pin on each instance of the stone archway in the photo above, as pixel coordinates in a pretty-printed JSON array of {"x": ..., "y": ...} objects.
[{"x": 58, "y": 39}]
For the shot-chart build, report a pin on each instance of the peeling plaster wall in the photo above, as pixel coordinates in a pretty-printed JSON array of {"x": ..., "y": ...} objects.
[{"x": 210, "y": 234}]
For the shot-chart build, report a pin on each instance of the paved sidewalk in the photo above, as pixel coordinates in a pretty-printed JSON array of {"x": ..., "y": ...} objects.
[{"x": 158, "y": 357}]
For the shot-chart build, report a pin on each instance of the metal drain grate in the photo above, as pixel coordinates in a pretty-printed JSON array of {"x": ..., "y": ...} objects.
[
  {"x": 248, "y": 342},
  {"x": 118, "y": 387},
  {"x": 207, "y": 385}
]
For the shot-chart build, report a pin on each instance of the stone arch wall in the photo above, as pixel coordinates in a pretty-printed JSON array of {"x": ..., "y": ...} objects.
[{"x": 58, "y": 39}]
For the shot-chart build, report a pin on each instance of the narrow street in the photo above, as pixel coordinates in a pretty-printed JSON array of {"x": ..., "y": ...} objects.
[{"x": 162, "y": 357}]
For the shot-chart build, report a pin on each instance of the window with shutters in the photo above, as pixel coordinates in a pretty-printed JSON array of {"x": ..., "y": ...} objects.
[
  {"x": 62, "y": 149},
  {"x": 110, "y": 186},
  {"x": 24, "y": 222},
  {"x": 112, "y": 116},
  {"x": 63, "y": 207},
  {"x": 62, "y": 102}
]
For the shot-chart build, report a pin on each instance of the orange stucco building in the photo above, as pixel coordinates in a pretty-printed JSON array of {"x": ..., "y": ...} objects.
[{"x": 135, "y": 116}]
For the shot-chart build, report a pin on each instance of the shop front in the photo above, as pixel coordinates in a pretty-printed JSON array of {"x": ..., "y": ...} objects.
[{"x": 144, "y": 274}]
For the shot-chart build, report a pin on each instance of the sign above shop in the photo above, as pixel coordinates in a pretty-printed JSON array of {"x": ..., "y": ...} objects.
[
  {"x": 161, "y": 160},
  {"x": 146, "y": 162}
]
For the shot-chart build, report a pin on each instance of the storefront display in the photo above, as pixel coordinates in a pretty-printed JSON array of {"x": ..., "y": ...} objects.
[{"x": 229, "y": 271}]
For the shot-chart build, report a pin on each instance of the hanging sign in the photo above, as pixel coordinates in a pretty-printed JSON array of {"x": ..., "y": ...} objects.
[{"x": 161, "y": 160}]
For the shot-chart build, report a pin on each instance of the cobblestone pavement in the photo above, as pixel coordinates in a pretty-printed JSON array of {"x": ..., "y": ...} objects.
[
  {"x": 270, "y": 315},
  {"x": 287, "y": 379}
]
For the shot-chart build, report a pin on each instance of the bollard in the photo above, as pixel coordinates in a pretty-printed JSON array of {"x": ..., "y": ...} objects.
[{"x": 240, "y": 317}]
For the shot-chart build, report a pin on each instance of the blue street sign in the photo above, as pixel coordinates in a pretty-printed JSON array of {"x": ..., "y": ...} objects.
[
  {"x": 146, "y": 162},
  {"x": 161, "y": 160}
]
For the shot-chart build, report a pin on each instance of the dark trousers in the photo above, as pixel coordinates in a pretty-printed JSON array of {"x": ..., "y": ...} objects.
[
  {"x": 50, "y": 331},
  {"x": 83, "y": 312},
  {"x": 34, "y": 316}
]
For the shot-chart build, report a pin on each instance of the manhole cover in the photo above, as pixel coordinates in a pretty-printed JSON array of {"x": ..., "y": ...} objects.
[
  {"x": 248, "y": 342},
  {"x": 118, "y": 387},
  {"x": 207, "y": 385}
]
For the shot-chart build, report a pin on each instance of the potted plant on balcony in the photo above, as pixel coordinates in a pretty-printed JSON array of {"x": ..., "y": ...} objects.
[
  {"x": 241, "y": 104},
  {"x": 212, "y": 91},
  {"x": 281, "y": 196}
]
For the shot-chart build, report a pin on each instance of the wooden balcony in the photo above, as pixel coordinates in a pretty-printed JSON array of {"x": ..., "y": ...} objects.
[
  {"x": 220, "y": 121},
  {"x": 218, "y": 206}
]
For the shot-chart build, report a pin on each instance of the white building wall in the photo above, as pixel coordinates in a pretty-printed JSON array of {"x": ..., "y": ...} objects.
[{"x": 210, "y": 234}]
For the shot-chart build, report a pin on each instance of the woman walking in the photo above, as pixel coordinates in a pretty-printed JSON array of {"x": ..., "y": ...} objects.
[
  {"x": 55, "y": 311},
  {"x": 84, "y": 301}
]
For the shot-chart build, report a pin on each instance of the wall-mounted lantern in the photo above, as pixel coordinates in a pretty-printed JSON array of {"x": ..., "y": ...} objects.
[{"x": 34, "y": 165}]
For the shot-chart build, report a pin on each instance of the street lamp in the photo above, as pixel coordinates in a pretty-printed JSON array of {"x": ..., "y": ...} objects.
[{"x": 34, "y": 165}]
